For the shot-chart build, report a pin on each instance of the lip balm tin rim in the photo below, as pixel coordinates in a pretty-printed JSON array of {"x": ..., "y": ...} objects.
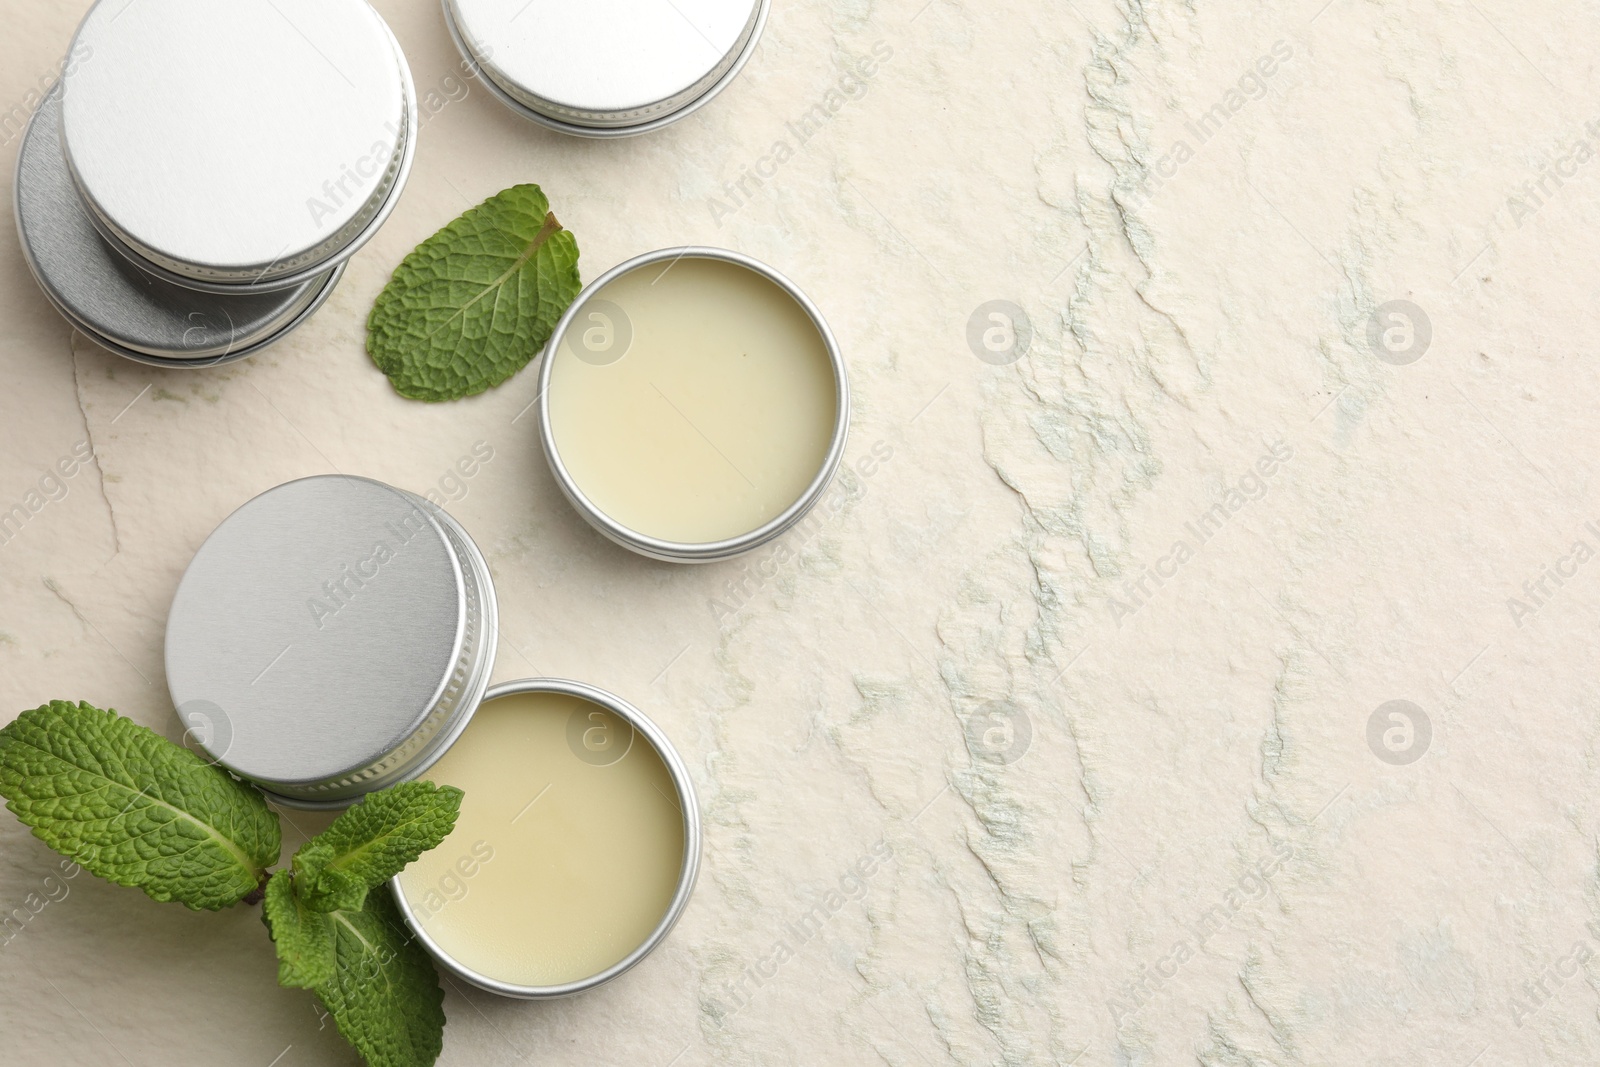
[
  {"x": 576, "y": 130},
  {"x": 708, "y": 551},
  {"x": 687, "y": 876},
  {"x": 149, "y": 359},
  {"x": 408, "y": 153},
  {"x": 465, "y": 553}
]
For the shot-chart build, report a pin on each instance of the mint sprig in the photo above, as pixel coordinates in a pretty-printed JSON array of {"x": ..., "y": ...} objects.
[
  {"x": 372, "y": 842},
  {"x": 132, "y": 807},
  {"x": 474, "y": 303}
]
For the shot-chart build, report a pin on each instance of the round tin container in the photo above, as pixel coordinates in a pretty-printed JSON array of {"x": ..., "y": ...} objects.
[
  {"x": 686, "y": 875},
  {"x": 198, "y": 174},
  {"x": 607, "y": 68},
  {"x": 120, "y": 306},
  {"x": 709, "y": 551},
  {"x": 333, "y": 636}
]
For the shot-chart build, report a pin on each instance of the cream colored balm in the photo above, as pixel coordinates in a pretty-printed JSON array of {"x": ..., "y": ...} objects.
[
  {"x": 568, "y": 849},
  {"x": 693, "y": 401}
]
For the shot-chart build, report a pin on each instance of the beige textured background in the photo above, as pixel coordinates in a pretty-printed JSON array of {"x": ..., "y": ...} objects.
[{"x": 1442, "y": 912}]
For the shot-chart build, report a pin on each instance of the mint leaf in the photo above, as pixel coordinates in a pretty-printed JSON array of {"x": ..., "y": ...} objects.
[
  {"x": 384, "y": 994},
  {"x": 310, "y": 858},
  {"x": 351, "y": 945},
  {"x": 132, "y": 807},
  {"x": 372, "y": 842},
  {"x": 303, "y": 937},
  {"x": 474, "y": 303}
]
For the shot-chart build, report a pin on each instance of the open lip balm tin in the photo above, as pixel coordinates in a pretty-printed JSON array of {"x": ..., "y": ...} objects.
[
  {"x": 335, "y": 636},
  {"x": 674, "y": 901},
  {"x": 179, "y": 215},
  {"x": 695, "y": 403},
  {"x": 331, "y": 637},
  {"x": 606, "y": 68}
]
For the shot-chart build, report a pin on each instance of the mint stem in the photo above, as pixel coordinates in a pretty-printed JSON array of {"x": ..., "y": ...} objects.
[{"x": 256, "y": 895}]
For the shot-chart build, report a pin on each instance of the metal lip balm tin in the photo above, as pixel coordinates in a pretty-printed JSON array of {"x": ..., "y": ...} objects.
[
  {"x": 190, "y": 167},
  {"x": 181, "y": 216},
  {"x": 687, "y": 874},
  {"x": 708, "y": 551},
  {"x": 333, "y": 636},
  {"x": 121, "y": 307},
  {"x": 606, "y": 68}
]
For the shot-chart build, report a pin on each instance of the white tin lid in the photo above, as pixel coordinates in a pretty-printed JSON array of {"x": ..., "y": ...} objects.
[
  {"x": 606, "y": 63},
  {"x": 240, "y": 142}
]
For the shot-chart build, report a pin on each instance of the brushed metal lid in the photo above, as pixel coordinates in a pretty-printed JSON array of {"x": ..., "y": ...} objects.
[
  {"x": 240, "y": 141},
  {"x": 316, "y": 630},
  {"x": 605, "y": 62},
  {"x": 119, "y": 305}
]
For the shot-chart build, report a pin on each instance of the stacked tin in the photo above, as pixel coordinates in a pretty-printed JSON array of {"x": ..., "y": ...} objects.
[{"x": 191, "y": 189}]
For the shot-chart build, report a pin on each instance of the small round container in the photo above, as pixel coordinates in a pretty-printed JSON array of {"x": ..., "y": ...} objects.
[
  {"x": 333, "y": 636},
  {"x": 237, "y": 147},
  {"x": 679, "y": 551},
  {"x": 606, "y": 68},
  {"x": 120, "y": 306},
  {"x": 686, "y": 801}
]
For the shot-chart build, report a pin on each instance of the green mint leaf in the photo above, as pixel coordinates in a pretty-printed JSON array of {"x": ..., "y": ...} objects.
[
  {"x": 335, "y": 890},
  {"x": 132, "y": 807},
  {"x": 303, "y": 937},
  {"x": 372, "y": 842},
  {"x": 310, "y": 858},
  {"x": 474, "y": 303},
  {"x": 384, "y": 994}
]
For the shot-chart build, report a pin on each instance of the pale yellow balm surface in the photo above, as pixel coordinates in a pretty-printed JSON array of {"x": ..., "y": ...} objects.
[
  {"x": 559, "y": 866},
  {"x": 716, "y": 417}
]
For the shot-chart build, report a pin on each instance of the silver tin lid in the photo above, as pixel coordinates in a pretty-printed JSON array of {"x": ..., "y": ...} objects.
[
  {"x": 114, "y": 302},
  {"x": 245, "y": 143},
  {"x": 610, "y": 67},
  {"x": 331, "y": 637},
  {"x": 705, "y": 551}
]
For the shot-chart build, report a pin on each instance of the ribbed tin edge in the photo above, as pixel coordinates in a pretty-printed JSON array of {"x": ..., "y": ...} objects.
[
  {"x": 709, "y": 551},
  {"x": 238, "y": 348},
  {"x": 249, "y": 348},
  {"x": 568, "y": 120},
  {"x": 280, "y": 274},
  {"x": 457, "y": 698},
  {"x": 687, "y": 803}
]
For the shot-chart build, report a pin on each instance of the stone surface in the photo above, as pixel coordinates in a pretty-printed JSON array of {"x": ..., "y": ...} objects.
[{"x": 1180, "y": 845}]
